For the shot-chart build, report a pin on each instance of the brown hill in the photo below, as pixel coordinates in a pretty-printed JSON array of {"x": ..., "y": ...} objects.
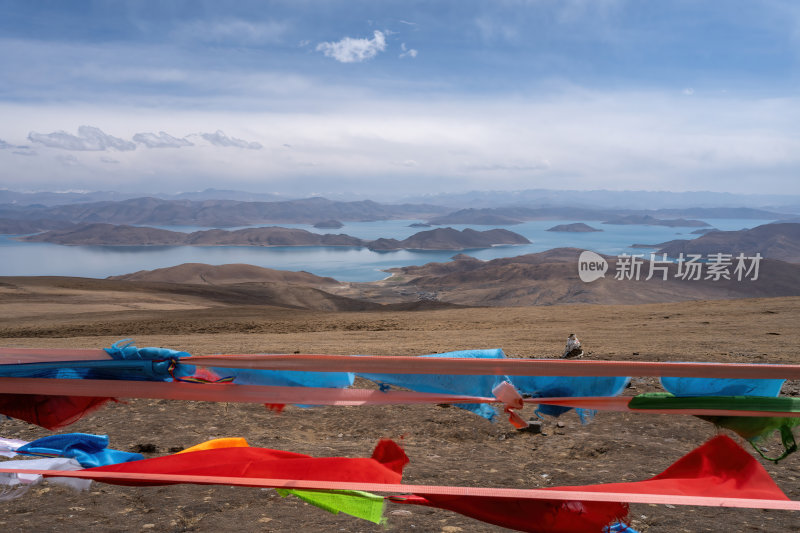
[
  {"x": 775, "y": 241},
  {"x": 450, "y": 239},
  {"x": 22, "y": 296},
  {"x": 551, "y": 277},
  {"x": 201, "y": 273}
]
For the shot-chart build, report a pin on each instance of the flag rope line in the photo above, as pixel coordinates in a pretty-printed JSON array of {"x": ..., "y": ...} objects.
[
  {"x": 232, "y": 393},
  {"x": 439, "y": 490},
  {"x": 437, "y": 365}
]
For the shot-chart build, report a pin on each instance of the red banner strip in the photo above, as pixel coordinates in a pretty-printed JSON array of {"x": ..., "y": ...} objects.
[
  {"x": 424, "y": 490},
  {"x": 15, "y": 356}
]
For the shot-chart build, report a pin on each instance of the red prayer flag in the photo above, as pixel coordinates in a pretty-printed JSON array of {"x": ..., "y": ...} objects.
[
  {"x": 385, "y": 465},
  {"x": 718, "y": 468}
]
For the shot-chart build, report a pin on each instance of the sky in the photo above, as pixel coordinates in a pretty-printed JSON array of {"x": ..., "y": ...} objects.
[{"x": 400, "y": 97}]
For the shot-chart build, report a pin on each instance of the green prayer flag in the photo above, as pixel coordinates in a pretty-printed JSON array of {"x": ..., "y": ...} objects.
[
  {"x": 752, "y": 428},
  {"x": 356, "y": 503},
  {"x": 665, "y": 400}
]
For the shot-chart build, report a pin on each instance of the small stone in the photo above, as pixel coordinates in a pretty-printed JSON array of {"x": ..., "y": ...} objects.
[
  {"x": 534, "y": 426},
  {"x": 401, "y": 512},
  {"x": 148, "y": 526}
]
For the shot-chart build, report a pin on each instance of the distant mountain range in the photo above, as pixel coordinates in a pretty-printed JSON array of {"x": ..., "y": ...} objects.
[
  {"x": 218, "y": 213},
  {"x": 124, "y": 235},
  {"x": 647, "y": 220},
  {"x": 21, "y": 227},
  {"x": 83, "y": 197},
  {"x": 532, "y": 198},
  {"x": 604, "y": 199},
  {"x": 18, "y": 218},
  {"x": 517, "y": 214}
]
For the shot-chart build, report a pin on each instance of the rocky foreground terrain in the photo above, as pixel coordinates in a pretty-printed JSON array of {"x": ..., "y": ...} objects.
[{"x": 445, "y": 445}]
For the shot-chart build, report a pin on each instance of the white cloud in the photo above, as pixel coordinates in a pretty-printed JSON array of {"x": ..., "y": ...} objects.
[
  {"x": 68, "y": 160},
  {"x": 688, "y": 91},
  {"x": 219, "y": 138},
  {"x": 8, "y": 146},
  {"x": 576, "y": 137},
  {"x": 509, "y": 167},
  {"x": 162, "y": 140},
  {"x": 494, "y": 30},
  {"x": 350, "y": 50},
  {"x": 407, "y": 52},
  {"x": 89, "y": 138},
  {"x": 234, "y": 31},
  {"x": 109, "y": 160}
]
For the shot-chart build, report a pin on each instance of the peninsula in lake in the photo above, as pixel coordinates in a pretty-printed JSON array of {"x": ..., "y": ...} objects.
[
  {"x": 775, "y": 241},
  {"x": 123, "y": 235},
  {"x": 450, "y": 239},
  {"x": 328, "y": 224}
]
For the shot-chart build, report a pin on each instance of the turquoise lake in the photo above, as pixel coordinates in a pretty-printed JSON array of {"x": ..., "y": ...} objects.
[{"x": 345, "y": 264}]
